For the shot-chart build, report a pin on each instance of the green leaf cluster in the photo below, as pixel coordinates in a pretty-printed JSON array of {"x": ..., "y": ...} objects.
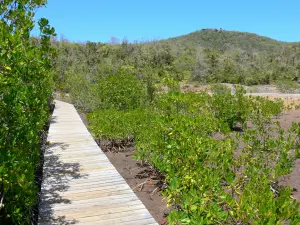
[
  {"x": 25, "y": 90},
  {"x": 213, "y": 175}
]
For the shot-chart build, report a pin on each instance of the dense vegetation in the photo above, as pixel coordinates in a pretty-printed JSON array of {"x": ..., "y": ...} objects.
[
  {"x": 214, "y": 175},
  {"x": 25, "y": 90},
  {"x": 223, "y": 40},
  {"x": 204, "y": 56}
]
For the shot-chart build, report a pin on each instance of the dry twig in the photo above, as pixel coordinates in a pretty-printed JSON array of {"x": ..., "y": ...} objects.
[{"x": 141, "y": 184}]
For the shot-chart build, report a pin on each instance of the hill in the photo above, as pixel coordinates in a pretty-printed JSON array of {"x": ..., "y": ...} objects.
[
  {"x": 223, "y": 40},
  {"x": 207, "y": 55}
]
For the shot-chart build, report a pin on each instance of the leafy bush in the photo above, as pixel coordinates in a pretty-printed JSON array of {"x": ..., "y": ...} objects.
[
  {"x": 121, "y": 91},
  {"x": 112, "y": 124},
  {"x": 230, "y": 108},
  {"x": 287, "y": 86},
  {"x": 83, "y": 93},
  {"x": 214, "y": 176},
  {"x": 25, "y": 90}
]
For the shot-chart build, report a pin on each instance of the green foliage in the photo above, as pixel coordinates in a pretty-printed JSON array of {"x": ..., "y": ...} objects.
[
  {"x": 223, "y": 40},
  {"x": 123, "y": 124},
  {"x": 214, "y": 175},
  {"x": 25, "y": 90},
  {"x": 83, "y": 92},
  {"x": 206, "y": 56},
  {"x": 287, "y": 86},
  {"x": 231, "y": 109},
  {"x": 121, "y": 91},
  {"x": 266, "y": 108}
]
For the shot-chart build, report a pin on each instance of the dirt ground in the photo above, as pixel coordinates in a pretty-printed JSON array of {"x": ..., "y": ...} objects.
[
  {"x": 270, "y": 89},
  {"x": 292, "y": 179},
  {"x": 145, "y": 181}
]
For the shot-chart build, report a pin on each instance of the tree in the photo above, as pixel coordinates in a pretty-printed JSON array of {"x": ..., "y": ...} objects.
[
  {"x": 212, "y": 63},
  {"x": 25, "y": 89}
]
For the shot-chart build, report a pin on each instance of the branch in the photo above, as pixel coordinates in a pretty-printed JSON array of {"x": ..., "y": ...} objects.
[{"x": 141, "y": 184}]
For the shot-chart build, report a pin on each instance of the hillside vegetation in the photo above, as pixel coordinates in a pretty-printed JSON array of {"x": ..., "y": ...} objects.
[
  {"x": 222, "y": 40},
  {"x": 208, "y": 56}
]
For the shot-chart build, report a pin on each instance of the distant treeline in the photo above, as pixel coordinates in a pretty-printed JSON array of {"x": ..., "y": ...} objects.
[{"x": 205, "y": 56}]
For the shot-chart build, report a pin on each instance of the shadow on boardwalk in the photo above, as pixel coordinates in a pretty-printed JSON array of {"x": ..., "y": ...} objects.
[
  {"x": 53, "y": 120},
  {"x": 56, "y": 178}
]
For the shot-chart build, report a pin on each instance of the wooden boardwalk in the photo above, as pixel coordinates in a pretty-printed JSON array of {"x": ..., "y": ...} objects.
[{"x": 80, "y": 185}]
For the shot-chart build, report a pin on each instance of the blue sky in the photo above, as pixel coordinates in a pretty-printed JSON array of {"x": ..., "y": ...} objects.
[{"x": 99, "y": 20}]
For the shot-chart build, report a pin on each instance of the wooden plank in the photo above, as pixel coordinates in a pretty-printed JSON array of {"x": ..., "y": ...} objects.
[
  {"x": 90, "y": 210},
  {"x": 80, "y": 185},
  {"x": 90, "y": 195},
  {"x": 111, "y": 216},
  {"x": 132, "y": 219},
  {"x": 94, "y": 213}
]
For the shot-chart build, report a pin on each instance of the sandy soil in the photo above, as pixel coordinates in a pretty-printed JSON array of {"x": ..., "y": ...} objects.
[
  {"x": 196, "y": 87},
  {"x": 292, "y": 179},
  {"x": 145, "y": 181},
  {"x": 288, "y": 99}
]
